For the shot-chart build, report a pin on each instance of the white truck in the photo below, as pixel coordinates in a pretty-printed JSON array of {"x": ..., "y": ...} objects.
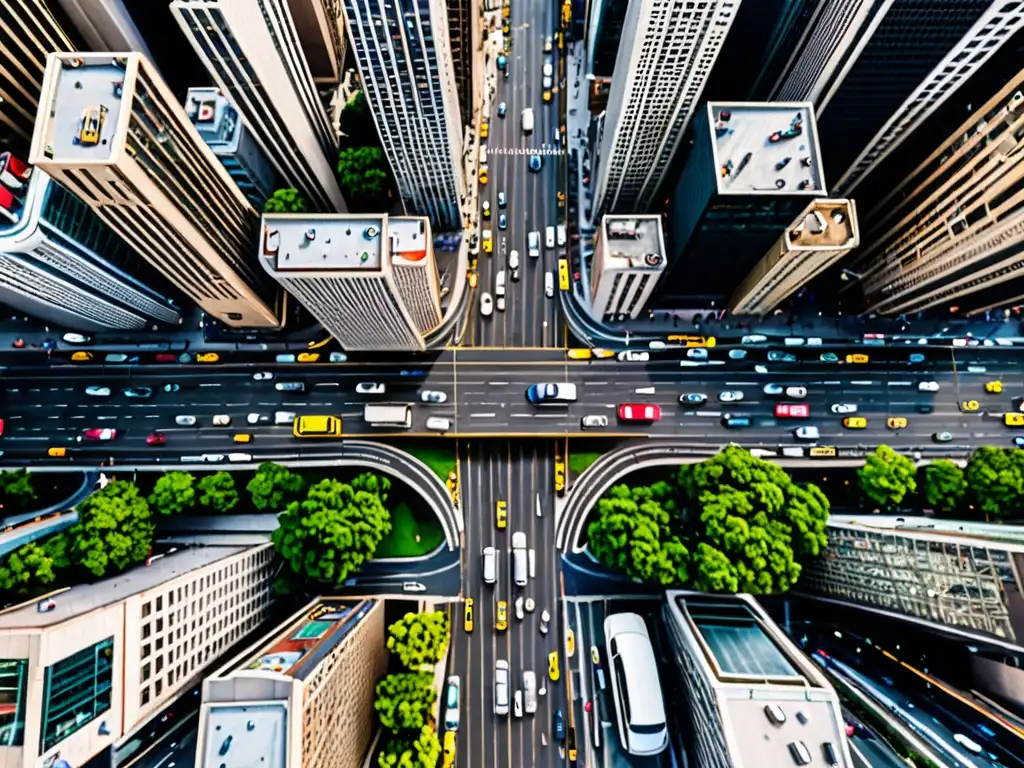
[{"x": 395, "y": 415}]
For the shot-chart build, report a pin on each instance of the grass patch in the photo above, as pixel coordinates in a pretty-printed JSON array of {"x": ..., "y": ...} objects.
[
  {"x": 439, "y": 455},
  {"x": 411, "y": 535},
  {"x": 580, "y": 460}
]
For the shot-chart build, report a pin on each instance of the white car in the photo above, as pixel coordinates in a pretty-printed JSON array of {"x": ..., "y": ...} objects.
[
  {"x": 486, "y": 304},
  {"x": 844, "y": 408},
  {"x": 633, "y": 356},
  {"x": 730, "y": 396},
  {"x": 548, "y": 70},
  {"x": 806, "y": 433},
  {"x": 222, "y": 420},
  {"x": 262, "y": 376},
  {"x": 545, "y": 617},
  {"x": 185, "y": 421},
  {"x": 239, "y": 457},
  {"x": 451, "y": 704},
  {"x": 500, "y": 304},
  {"x": 796, "y": 393},
  {"x": 284, "y": 417},
  {"x": 698, "y": 353},
  {"x": 252, "y": 418},
  {"x": 439, "y": 424},
  {"x": 773, "y": 390},
  {"x": 501, "y": 687},
  {"x": 76, "y": 338},
  {"x": 513, "y": 260},
  {"x": 756, "y": 338},
  {"x": 98, "y": 391},
  {"x": 433, "y": 396},
  {"x": 370, "y": 388},
  {"x": 967, "y": 743},
  {"x": 594, "y": 421},
  {"x": 928, "y": 386},
  {"x": 520, "y": 613},
  {"x": 338, "y": 357}
]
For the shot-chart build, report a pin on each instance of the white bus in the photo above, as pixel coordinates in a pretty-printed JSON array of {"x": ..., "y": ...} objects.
[
  {"x": 397, "y": 415},
  {"x": 636, "y": 689}
]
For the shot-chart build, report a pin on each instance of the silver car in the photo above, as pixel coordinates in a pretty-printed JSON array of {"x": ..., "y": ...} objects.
[
  {"x": 730, "y": 396},
  {"x": 594, "y": 421},
  {"x": 185, "y": 421},
  {"x": 98, "y": 391},
  {"x": 501, "y": 687}
]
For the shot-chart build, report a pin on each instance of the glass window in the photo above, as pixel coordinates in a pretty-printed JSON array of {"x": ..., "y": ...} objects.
[
  {"x": 76, "y": 690},
  {"x": 13, "y": 685}
]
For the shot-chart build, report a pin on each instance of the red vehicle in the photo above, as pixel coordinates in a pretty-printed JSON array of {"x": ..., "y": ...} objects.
[
  {"x": 1, "y": 427},
  {"x": 100, "y": 435},
  {"x": 792, "y": 411},
  {"x": 166, "y": 357},
  {"x": 156, "y": 439},
  {"x": 639, "y": 412}
]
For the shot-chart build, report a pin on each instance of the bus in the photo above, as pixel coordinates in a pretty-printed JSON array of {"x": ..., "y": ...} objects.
[
  {"x": 563, "y": 274},
  {"x": 316, "y": 426},
  {"x": 397, "y": 415},
  {"x": 636, "y": 692}
]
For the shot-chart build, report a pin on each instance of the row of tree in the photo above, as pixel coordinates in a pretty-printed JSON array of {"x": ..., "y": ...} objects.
[
  {"x": 17, "y": 491},
  {"x": 270, "y": 490}
]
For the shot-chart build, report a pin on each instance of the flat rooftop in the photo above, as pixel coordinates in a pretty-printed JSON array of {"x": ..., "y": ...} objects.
[
  {"x": 766, "y": 148},
  {"x": 297, "y": 649},
  {"x": 826, "y": 224},
  {"x": 736, "y": 639},
  {"x": 215, "y": 119},
  {"x": 633, "y": 238},
  {"x": 410, "y": 237},
  {"x": 87, "y": 108},
  {"x": 324, "y": 242},
  {"x": 929, "y": 529},
  {"x": 83, "y": 598},
  {"x": 246, "y": 735}
]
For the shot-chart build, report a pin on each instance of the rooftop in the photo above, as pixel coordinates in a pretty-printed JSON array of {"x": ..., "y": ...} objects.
[
  {"x": 637, "y": 239},
  {"x": 826, "y": 224},
  {"x": 83, "y": 598},
  {"x": 766, "y": 148},
  {"x": 324, "y": 241},
  {"x": 215, "y": 119},
  {"x": 930, "y": 529},
  {"x": 410, "y": 237},
  {"x": 738, "y": 643},
  {"x": 246, "y": 735}
]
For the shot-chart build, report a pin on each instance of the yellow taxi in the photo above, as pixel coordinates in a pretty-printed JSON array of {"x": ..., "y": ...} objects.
[
  {"x": 501, "y": 616},
  {"x": 501, "y": 513},
  {"x": 57, "y": 453},
  {"x": 207, "y": 357},
  {"x": 91, "y": 125},
  {"x": 570, "y": 643},
  {"x": 994, "y": 387},
  {"x": 1013, "y": 419},
  {"x": 823, "y": 450},
  {"x": 505, "y": 29},
  {"x": 561, "y": 40},
  {"x": 485, "y": 130},
  {"x": 896, "y": 422},
  {"x": 308, "y": 357},
  {"x": 467, "y": 622},
  {"x": 449, "y": 749},
  {"x": 483, "y": 175},
  {"x": 855, "y": 422},
  {"x": 559, "y": 476},
  {"x": 547, "y": 96},
  {"x": 474, "y": 278},
  {"x": 553, "y": 671},
  {"x": 505, "y": 11},
  {"x": 488, "y": 242},
  {"x": 81, "y": 357},
  {"x": 561, "y": 199},
  {"x": 970, "y": 406},
  {"x": 858, "y": 358},
  {"x": 602, "y": 354},
  {"x": 579, "y": 354},
  {"x": 243, "y": 437}
]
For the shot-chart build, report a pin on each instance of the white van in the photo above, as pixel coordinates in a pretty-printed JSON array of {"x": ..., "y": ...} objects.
[
  {"x": 561, "y": 235},
  {"x": 490, "y": 565},
  {"x": 549, "y": 284},
  {"x": 549, "y": 237},
  {"x": 533, "y": 241},
  {"x": 519, "y": 564},
  {"x": 439, "y": 424}
]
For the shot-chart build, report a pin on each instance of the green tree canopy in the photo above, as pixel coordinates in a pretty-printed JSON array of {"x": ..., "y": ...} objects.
[
  {"x": 32, "y": 568},
  {"x": 16, "y": 491},
  {"x": 405, "y": 700},
  {"x": 364, "y": 178},
  {"x": 218, "y": 492},
  {"x": 356, "y": 122},
  {"x": 944, "y": 486},
  {"x": 422, "y": 752},
  {"x": 887, "y": 477},
  {"x": 274, "y": 487},
  {"x": 419, "y": 639},
  {"x": 285, "y": 201},
  {"x": 334, "y": 530},
  {"x": 173, "y": 493},
  {"x": 114, "y": 530},
  {"x": 996, "y": 481}
]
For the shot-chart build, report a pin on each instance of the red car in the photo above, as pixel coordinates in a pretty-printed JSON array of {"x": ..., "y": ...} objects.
[
  {"x": 166, "y": 357},
  {"x": 792, "y": 411},
  {"x": 639, "y": 412},
  {"x": 98, "y": 434},
  {"x": 156, "y": 439}
]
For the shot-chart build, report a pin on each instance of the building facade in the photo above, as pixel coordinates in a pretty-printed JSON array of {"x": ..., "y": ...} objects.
[
  {"x": 664, "y": 59},
  {"x": 629, "y": 259},
  {"x": 301, "y": 696},
  {"x": 412, "y": 260},
  {"x": 460, "y": 38},
  {"x": 949, "y": 234},
  {"x": 342, "y": 270},
  {"x": 221, "y": 127},
  {"x": 104, "y": 25},
  {"x": 321, "y": 28},
  {"x": 404, "y": 53},
  {"x": 256, "y": 60},
  {"x": 822, "y": 234},
  {"x": 112, "y": 653},
  {"x": 111, "y": 132}
]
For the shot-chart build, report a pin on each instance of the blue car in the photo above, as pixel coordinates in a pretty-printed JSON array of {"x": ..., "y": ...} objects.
[
  {"x": 414, "y": 373},
  {"x": 502, "y": 222},
  {"x": 737, "y": 354},
  {"x": 140, "y": 392},
  {"x": 551, "y": 393},
  {"x": 502, "y": 109},
  {"x": 502, "y": 60},
  {"x": 916, "y": 357},
  {"x": 536, "y": 163},
  {"x": 559, "y": 725}
]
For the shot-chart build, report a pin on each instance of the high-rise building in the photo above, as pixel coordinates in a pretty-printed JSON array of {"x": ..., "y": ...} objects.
[
  {"x": 110, "y": 654},
  {"x": 460, "y": 38},
  {"x": 604, "y": 24},
  {"x": 751, "y": 697},
  {"x": 221, "y": 127},
  {"x": 59, "y": 262},
  {"x": 371, "y": 287},
  {"x": 257, "y": 62},
  {"x": 753, "y": 167},
  {"x": 111, "y": 132},
  {"x": 321, "y": 29},
  {"x": 404, "y": 55},
  {"x": 877, "y": 69},
  {"x": 821, "y": 235},
  {"x": 629, "y": 259},
  {"x": 303, "y": 695},
  {"x": 950, "y": 233},
  {"x": 104, "y": 25},
  {"x": 665, "y": 57}
]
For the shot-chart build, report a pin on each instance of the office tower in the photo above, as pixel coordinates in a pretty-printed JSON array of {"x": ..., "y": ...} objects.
[
  {"x": 28, "y": 33},
  {"x": 302, "y": 696},
  {"x": 821, "y": 235},
  {"x": 113, "y": 653},
  {"x": 460, "y": 37},
  {"x": 629, "y": 259},
  {"x": 892, "y": 68},
  {"x": 321, "y": 31},
  {"x": 356, "y": 275},
  {"x": 104, "y": 25},
  {"x": 59, "y": 262},
  {"x": 256, "y": 60},
  {"x": 225, "y": 134},
  {"x": 753, "y": 167},
  {"x": 664, "y": 59},
  {"x": 949, "y": 233},
  {"x": 751, "y": 697},
  {"x": 111, "y": 132},
  {"x": 405, "y": 63},
  {"x": 961, "y": 579},
  {"x": 604, "y": 24}
]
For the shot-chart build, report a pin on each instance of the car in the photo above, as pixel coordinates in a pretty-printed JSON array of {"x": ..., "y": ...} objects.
[
  {"x": 634, "y": 356},
  {"x": 501, "y": 687},
  {"x": 263, "y": 376},
  {"x": 308, "y": 357},
  {"x": 796, "y": 393},
  {"x": 841, "y": 408},
  {"x": 284, "y": 417},
  {"x": 81, "y": 357},
  {"x": 1018, "y": 442},
  {"x": 489, "y": 557},
  {"x": 97, "y": 391},
  {"x": 536, "y": 163},
  {"x": 242, "y": 438},
  {"x": 502, "y": 109},
  {"x": 730, "y": 396},
  {"x": 994, "y": 387},
  {"x": 828, "y": 357},
  {"x": 967, "y": 743},
  {"x": 285, "y": 358},
  {"x": 579, "y": 353},
  {"x": 698, "y": 353},
  {"x": 171, "y": 387},
  {"x": 553, "y": 670},
  {"x": 698, "y": 398},
  {"x": 221, "y": 420},
  {"x": 777, "y": 356},
  {"x": 942, "y": 437},
  {"x": 413, "y": 372},
  {"x": 433, "y": 396},
  {"x": 58, "y": 452},
  {"x": 467, "y": 621},
  {"x": 559, "y": 725},
  {"x": 539, "y": 394},
  {"x": 513, "y": 260},
  {"x": 928, "y": 386},
  {"x": 98, "y": 434},
  {"x": 754, "y": 338},
  {"x": 115, "y": 357},
  {"x": 156, "y": 439},
  {"x": 792, "y": 411},
  {"x": 519, "y": 608},
  {"x": 602, "y": 354},
  {"x": 90, "y": 125},
  {"x": 337, "y": 357},
  {"x": 76, "y": 338},
  {"x": 855, "y": 422},
  {"x": 774, "y": 390},
  {"x": 165, "y": 357},
  {"x": 545, "y": 617},
  {"x": 370, "y": 388},
  {"x": 502, "y": 200},
  {"x": 252, "y": 418},
  {"x": 46, "y": 605},
  {"x": 969, "y": 406},
  {"x": 916, "y": 358},
  {"x": 806, "y": 433},
  {"x": 502, "y": 222},
  {"x": 139, "y": 393},
  {"x": 737, "y": 354},
  {"x": 594, "y": 421},
  {"x": 449, "y": 750},
  {"x": 1013, "y": 419},
  {"x": 185, "y": 421},
  {"x": 451, "y": 704},
  {"x": 857, "y": 359},
  {"x": 896, "y": 422},
  {"x": 639, "y": 412},
  {"x": 501, "y": 616},
  {"x": 486, "y": 304},
  {"x": 501, "y": 513},
  {"x": 207, "y": 357}
]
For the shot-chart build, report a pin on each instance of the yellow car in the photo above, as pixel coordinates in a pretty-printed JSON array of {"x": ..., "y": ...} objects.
[
  {"x": 449, "y": 749},
  {"x": 485, "y": 130},
  {"x": 553, "y": 671},
  {"x": 855, "y": 422},
  {"x": 501, "y": 616},
  {"x": 308, "y": 357},
  {"x": 506, "y": 11},
  {"x": 488, "y": 245},
  {"x": 561, "y": 199},
  {"x": 969, "y": 406},
  {"x": 474, "y": 278},
  {"x": 501, "y": 513},
  {"x": 483, "y": 175},
  {"x": 57, "y": 453},
  {"x": 897, "y": 422},
  {"x": 468, "y": 621},
  {"x": 856, "y": 358},
  {"x": 505, "y": 28},
  {"x": 207, "y": 357},
  {"x": 579, "y": 354},
  {"x": 994, "y": 387},
  {"x": 81, "y": 357},
  {"x": 1013, "y": 419},
  {"x": 91, "y": 125},
  {"x": 243, "y": 437},
  {"x": 547, "y": 96}
]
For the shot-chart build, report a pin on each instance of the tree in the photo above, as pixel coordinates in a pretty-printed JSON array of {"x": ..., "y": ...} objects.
[
  {"x": 274, "y": 487},
  {"x": 887, "y": 477},
  {"x": 218, "y": 492},
  {"x": 285, "y": 201},
  {"x": 405, "y": 700},
  {"x": 16, "y": 490},
  {"x": 944, "y": 486},
  {"x": 334, "y": 530},
  {"x": 419, "y": 639},
  {"x": 114, "y": 530},
  {"x": 423, "y": 752},
  {"x": 364, "y": 178},
  {"x": 996, "y": 481},
  {"x": 633, "y": 533},
  {"x": 173, "y": 493},
  {"x": 30, "y": 569},
  {"x": 356, "y": 122}
]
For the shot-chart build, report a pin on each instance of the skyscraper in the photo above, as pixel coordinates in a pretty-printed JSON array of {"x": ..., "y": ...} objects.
[
  {"x": 629, "y": 259},
  {"x": 104, "y": 25},
  {"x": 257, "y": 62},
  {"x": 460, "y": 38},
  {"x": 404, "y": 55},
  {"x": 321, "y": 29},
  {"x": 665, "y": 57},
  {"x": 111, "y": 131}
]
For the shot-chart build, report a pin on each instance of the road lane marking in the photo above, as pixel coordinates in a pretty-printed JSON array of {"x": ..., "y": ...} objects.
[{"x": 482, "y": 415}]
